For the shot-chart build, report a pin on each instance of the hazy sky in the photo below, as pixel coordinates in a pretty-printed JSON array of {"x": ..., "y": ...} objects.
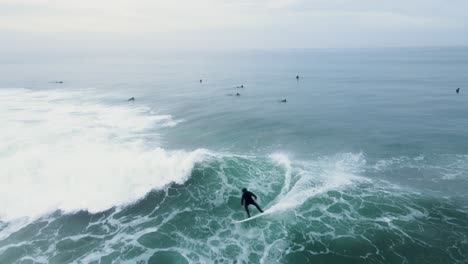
[{"x": 36, "y": 25}]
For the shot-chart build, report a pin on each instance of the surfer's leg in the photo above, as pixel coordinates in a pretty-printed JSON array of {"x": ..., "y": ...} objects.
[
  {"x": 247, "y": 210},
  {"x": 258, "y": 207}
]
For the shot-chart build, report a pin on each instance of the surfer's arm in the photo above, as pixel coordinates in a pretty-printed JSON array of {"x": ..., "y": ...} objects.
[{"x": 255, "y": 196}]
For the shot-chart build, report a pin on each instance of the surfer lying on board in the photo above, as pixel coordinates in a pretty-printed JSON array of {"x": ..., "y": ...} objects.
[{"x": 248, "y": 200}]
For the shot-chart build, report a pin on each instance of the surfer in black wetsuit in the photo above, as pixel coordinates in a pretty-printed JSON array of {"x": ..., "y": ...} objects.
[{"x": 248, "y": 200}]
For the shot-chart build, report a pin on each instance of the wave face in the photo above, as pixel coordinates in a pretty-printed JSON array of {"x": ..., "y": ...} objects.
[
  {"x": 83, "y": 181},
  {"x": 61, "y": 153}
]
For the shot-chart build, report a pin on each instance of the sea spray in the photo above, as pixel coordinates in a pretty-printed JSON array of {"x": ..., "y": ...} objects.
[{"x": 60, "y": 153}]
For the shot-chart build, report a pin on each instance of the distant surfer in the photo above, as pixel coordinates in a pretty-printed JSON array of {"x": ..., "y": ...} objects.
[
  {"x": 283, "y": 101},
  {"x": 237, "y": 94},
  {"x": 249, "y": 198},
  {"x": 201, "y": 80},
  {"x": 131, "y": 99},
  {"x": 297, "y": 77},
  {"x": 458, "y": 90}
]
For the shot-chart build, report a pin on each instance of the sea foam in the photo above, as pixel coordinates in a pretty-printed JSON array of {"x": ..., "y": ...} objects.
[
  {"x": 305, "y": 180},
  {"x": 60, "y": 152}
]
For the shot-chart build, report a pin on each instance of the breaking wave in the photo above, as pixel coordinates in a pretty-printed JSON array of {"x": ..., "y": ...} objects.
[{"x": 60, "y": 152}]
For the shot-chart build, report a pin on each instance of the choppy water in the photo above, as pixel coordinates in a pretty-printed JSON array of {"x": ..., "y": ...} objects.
[{"x": 367, "y": 162}]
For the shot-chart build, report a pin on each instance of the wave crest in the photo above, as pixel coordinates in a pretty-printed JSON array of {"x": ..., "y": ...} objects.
[{"x": 58, "y": 152}]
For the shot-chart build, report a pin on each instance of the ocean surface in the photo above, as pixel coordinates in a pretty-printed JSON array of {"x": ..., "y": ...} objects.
[{"x": 366, "y": 162}]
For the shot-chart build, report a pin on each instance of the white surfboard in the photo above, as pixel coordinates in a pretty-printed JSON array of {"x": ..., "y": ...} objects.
[{"x": 253, "y": 217}]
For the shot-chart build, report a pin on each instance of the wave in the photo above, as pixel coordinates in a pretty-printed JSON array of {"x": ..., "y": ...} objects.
[
  {"x": 58, "y": 151},
  {"x": 324, "y": 202},
  {"x": 308, "y": 179}
]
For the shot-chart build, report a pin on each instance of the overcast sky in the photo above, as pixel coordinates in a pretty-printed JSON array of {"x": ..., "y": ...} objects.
[{"x": 41, "y": 25}]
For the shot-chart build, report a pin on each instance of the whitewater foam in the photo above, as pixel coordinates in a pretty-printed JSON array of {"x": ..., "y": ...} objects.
[
  {"x": 69, "y": 151},
  {"x": 314, "y": 178}
]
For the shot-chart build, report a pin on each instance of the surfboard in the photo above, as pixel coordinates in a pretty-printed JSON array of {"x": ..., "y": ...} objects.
[{"x": 252, "y": 217}]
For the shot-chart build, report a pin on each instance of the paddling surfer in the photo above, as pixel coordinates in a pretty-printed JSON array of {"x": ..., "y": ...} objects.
[{"x": 249, "y": 198}]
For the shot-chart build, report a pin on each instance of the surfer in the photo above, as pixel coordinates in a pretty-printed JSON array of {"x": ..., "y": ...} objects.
[
  {"x": 458, "y": 90},
  {"x": 248, "y": 200},
  {"x": 297, "y": 77},
  {"x": 131, "y": 99}
]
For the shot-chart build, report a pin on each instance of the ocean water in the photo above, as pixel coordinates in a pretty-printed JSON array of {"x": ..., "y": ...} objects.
[{"x": 367, "y": 162}]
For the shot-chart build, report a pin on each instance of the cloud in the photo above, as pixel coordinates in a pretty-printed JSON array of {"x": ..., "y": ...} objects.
[
  {"x": 224, "y": 22},
  {"x": 116, "y": 16}
]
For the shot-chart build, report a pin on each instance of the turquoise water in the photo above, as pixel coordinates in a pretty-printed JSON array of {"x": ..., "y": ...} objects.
[{"x": 367, "y": 162}]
